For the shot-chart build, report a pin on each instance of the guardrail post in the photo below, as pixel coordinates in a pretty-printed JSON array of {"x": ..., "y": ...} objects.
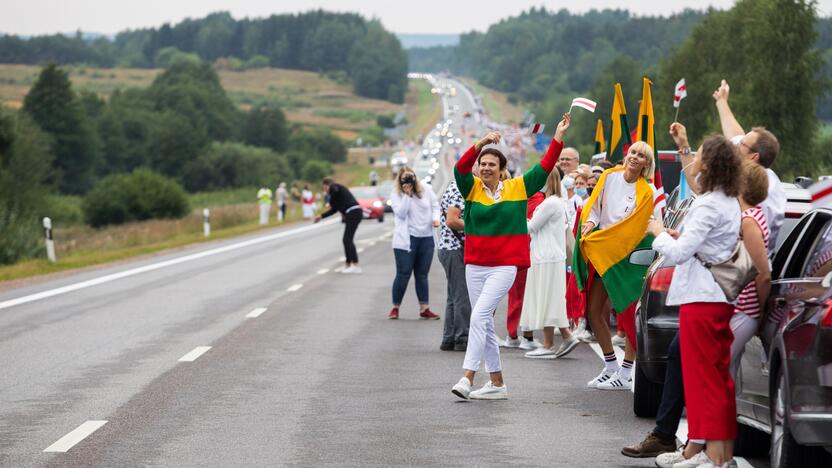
[
  {"x": 50, "y": 244},
  {"x": 206, "y": 222}
]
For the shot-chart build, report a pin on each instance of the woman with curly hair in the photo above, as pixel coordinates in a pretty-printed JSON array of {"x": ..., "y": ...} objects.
[{"x": 710, "y": 232}]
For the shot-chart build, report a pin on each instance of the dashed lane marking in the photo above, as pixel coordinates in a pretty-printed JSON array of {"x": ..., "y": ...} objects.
[
  {"x": 80, "y": 433},
  {"x": 256, "y": 312},
  {"x": 194, "y": 354},
  {"x": 323, "y": 271},
  {"x": 294, "y": 287}
]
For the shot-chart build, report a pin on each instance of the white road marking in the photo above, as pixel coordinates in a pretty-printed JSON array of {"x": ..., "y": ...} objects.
[
  {"x": 294, "y": 287},
  {"x": 256, "y": 312},
  {"x": 360, "y": 250},
  {"x": 323, "y": 271},
  {"x": 194, "y": 354},
  {"x": 80, "y": 433},
  {"x": 342, "y": 259},
  {"x": 619, "y": 355},
  {"x": 154, "y": 266}
]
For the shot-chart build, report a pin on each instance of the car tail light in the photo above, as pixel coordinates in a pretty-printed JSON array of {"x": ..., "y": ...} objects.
[
  {"x": 660, "y": 282},
  {"x": 826, "y": 320}
]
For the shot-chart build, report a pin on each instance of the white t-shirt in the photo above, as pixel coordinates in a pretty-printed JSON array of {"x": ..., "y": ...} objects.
[
  {"x": 616, "y": 201},
  {"x": 774, "y": 207},
  {"x": 572, "y": 206}
]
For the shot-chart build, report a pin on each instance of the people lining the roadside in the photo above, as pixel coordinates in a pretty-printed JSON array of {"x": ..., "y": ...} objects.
[
  {"x": 496, "y": 243},
  {"x": 416, "y": 213},
  {"x": 308, "y": 200},
  {"x": 282, "y": 196},
  {"x": 544, "y": 300}
]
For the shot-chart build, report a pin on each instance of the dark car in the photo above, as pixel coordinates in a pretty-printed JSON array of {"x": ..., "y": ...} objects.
[
  {"x": 657, "y": 323},
  {"x": 784, "y": 383}
]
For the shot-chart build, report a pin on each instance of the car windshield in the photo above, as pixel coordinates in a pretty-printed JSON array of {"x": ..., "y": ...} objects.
[{"x": 364, "y": 192}]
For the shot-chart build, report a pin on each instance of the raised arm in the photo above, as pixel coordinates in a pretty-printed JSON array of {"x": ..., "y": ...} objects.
[
  {"x": 400, "y": 204},
  {"x": 462, "y": 169},
  {"x": 680, "y": 136},
  {"x": 730, "y": 127},
  {"x": 534, "y": 178}
]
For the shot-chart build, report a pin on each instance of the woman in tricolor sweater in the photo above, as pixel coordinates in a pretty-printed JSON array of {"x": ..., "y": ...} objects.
[{"x": 496, "y": 243}]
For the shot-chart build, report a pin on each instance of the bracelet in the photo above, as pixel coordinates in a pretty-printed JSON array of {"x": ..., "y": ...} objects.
[{"x": 684, "y": 151}]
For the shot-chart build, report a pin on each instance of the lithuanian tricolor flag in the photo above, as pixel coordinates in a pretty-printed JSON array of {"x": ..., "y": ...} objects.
[
  {"x": 599, "y": 138},
  {"x": 607, "y": 251},
  {"x": 619, "y": 129}
]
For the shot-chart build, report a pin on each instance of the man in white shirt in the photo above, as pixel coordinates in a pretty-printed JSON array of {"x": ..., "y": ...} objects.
[{"x": 758, "y": 145}]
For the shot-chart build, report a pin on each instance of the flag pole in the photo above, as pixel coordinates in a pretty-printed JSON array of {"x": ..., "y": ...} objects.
[{"x": 676, "y": 119}]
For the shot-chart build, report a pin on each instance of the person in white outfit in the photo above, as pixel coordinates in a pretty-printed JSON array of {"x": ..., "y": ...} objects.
[
  {"x": 544, "y": 300},
  {"x": 308, "y": 199},
  {"x": 282, "y": 199}
]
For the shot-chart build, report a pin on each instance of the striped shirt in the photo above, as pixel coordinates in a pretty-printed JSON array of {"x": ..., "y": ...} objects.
[{"x": 748, "y": 303}]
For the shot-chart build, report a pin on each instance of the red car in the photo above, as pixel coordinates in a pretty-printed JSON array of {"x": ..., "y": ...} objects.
[{"x": 371, "y": 201}]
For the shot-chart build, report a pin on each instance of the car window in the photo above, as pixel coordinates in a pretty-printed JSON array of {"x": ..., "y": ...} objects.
[
  {"x": 783, "y": 255},
  {"x": 819, "y": 261}
]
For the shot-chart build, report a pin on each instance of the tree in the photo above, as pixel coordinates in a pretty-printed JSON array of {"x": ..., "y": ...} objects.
[
  {"x": 314, "y": 171},
  {"x": 378, "y": 65},
  {"x": 173, "y": 141},
  {"x": 224, "y": 165},
  {"x": 25, "y": 164},
  {"x": 57, "y": 110},
  {"x": 266, "y": 126},
  {"x": 318, "y": 144}
]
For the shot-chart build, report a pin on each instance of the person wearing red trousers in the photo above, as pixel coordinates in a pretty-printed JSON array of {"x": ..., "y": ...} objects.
[
  {"x": 709, "y": 234},
  {"x": 515, "y": 296}
]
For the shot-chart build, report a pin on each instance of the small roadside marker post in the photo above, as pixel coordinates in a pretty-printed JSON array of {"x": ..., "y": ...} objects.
[
  {"x": 206, "y": 222},
  {"x": 50, "y": 244}
]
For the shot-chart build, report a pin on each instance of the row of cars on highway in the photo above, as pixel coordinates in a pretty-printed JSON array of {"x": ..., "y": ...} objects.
[{"x": 784, "y": 383}]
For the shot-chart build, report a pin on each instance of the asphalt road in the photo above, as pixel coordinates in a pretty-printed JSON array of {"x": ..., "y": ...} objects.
[{"x": 303, "y": 369}]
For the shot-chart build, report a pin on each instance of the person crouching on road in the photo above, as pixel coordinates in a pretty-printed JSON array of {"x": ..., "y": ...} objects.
[
  {"x": 342, "y": 200},
  {"x": 496, "y": 243},
  {"x": 544, "y": 301},
  {"x": 710, "y": 231},
  {"x": 451, "y": 241},
  {"x": 416, "y": 215}
]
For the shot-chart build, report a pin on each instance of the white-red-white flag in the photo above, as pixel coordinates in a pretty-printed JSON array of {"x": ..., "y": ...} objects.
[
  {"x": 537, "y": 128},
  {"x": 821, "y": 193},
  {"x": 583, "y": 103},
  {"x": 680, "y": 93}
]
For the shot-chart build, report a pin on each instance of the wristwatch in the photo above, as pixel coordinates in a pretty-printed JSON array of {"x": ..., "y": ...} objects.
[{"x": 684, "y": 151}]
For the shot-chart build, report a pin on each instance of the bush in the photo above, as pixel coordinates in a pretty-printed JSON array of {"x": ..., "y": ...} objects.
[
  {"x": 385, "y": 121},
  {"x": 227, "y": 165},
  {"x": 257, "y": 61},
  {"x": 319, "y": 144},
  {"x": 64, "y": 210},
  {"x": 314, "y": 171},
  {"x": 140, "y": 195}
]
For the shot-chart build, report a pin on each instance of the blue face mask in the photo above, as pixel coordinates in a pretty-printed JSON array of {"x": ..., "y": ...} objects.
[{"x": 581, "y": 191}]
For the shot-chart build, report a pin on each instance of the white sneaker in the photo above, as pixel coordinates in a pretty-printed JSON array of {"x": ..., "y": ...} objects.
[
  {"x": 462, "y": 388},
  {"x": 699, "y": 459},
  {"x": 542, "y": 353},
  {"x": 587, "y": 337},
  {"x": 617, "y": 382},
  {"x": 529, "y": 345},
  {"x": 602, "y": 377},
  {"x": 618, "y": 340},
  {"x": 668, "y": 459},
  {"x": 557, "y": 331},
  {"x": 510, "y": 342},
  {"x": 490, "y": 391},
  {"x": 567, "y": 346},
  {"x": 354, "y": 269}
]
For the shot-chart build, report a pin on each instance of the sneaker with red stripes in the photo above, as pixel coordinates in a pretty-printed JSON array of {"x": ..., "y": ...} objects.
[
  {"x": 428, "y": 315},
  {"x": 394, "y": 313}
]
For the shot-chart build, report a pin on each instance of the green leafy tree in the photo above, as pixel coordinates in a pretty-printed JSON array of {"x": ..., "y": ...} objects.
[
  {"x": 315, "y": 171},
  {"x": 57, "y": 110},
  {"x": 140, "y": 195},
  {"x": 173, "y": 141},
  {"x": 25, "y": 164},
  {"x": 318, "y": 144},
  {"x": 378, "y": 65},
  {"x": 226, "y": 165},
  {"x": 266, "y": 126}
]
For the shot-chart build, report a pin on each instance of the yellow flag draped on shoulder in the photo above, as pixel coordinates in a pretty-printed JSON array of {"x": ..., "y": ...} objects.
[{"x": 608, "y": 250}]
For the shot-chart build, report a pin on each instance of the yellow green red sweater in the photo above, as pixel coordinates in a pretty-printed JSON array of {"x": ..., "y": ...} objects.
[{"x": 496, "y": 233}]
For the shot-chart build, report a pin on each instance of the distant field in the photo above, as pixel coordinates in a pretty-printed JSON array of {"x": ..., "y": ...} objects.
[
  {"x": 306, "y": 97},
  {"x": 496, "y": 103}
]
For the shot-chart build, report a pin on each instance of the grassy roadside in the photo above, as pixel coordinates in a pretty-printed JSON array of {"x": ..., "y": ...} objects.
[{"x": 495, "y": 103}]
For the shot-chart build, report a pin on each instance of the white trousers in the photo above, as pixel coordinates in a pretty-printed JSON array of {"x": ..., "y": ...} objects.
[
  {"x": 486, "y": 287},
  {"x": 264, "y": 213},
  {"x": 744, "y": 328}
]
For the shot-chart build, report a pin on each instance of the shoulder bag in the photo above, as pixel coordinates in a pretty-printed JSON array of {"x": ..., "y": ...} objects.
[{"x": 733, "y": 274}]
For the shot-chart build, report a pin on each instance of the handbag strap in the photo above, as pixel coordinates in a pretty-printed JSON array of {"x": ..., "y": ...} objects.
[{"x": 708, "y": 265}]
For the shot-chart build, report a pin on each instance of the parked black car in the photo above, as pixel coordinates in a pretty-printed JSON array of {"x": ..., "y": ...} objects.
[
  {"x": 784, "y": 386},
  {"x": 657, "y": 323}
]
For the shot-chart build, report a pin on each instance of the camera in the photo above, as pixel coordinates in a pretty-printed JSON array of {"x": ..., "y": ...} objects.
[{"x": 408, "y": 179}]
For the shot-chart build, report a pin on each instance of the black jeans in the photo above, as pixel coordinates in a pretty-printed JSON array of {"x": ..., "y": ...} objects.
[
  {"x": 673, "y": 395},
  {"x": 351, "y": 220}
]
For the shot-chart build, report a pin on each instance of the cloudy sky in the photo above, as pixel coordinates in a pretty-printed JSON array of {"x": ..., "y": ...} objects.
[{"x": 28, "y": 17}]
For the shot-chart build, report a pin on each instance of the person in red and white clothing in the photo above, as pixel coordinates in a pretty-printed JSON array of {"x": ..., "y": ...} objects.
[
  {"x": 755, "y": 236},
  {"x": 308, "y": 199}
]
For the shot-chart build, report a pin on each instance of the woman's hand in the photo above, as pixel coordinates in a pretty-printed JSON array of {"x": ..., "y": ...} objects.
[
  {"x": 562, "y": 126},
  {"x": 655, "y": 227},
  {"x": 407, "y": 188},
  {"x": 491, "y": 139},
  {"x": 587, "y": 228},
  {"x": 673, "y": 233},
  {"x": 680, "y": 135},
  {"x": 436, "y": 223}
]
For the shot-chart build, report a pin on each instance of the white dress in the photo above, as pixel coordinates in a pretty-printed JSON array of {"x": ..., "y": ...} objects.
[
  {"x": 308, "y": 204},
  {"x": 544, "y": 301}
]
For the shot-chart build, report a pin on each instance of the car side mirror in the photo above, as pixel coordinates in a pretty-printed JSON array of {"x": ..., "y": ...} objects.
[
  {"x": 643, "y": 257},
  {"x": 827, "y": 280}
]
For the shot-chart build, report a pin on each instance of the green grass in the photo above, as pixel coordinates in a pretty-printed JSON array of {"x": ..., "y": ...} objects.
[
  {"x": 234, "y": 196},
  {"x": 424, "y": 109},
  {"x": 495, "y": 103}
]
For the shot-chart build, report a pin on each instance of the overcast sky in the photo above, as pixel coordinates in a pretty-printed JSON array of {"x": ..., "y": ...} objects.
[{"x": 29, "y": 17}]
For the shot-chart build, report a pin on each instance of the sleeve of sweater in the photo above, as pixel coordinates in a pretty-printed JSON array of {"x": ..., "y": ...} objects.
[
  {"x": 332, "y": 202},
  {"x": 535, "y": 177},
  {"x": 462, "y": 171},
  {"x": 400, "y": 204}
]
